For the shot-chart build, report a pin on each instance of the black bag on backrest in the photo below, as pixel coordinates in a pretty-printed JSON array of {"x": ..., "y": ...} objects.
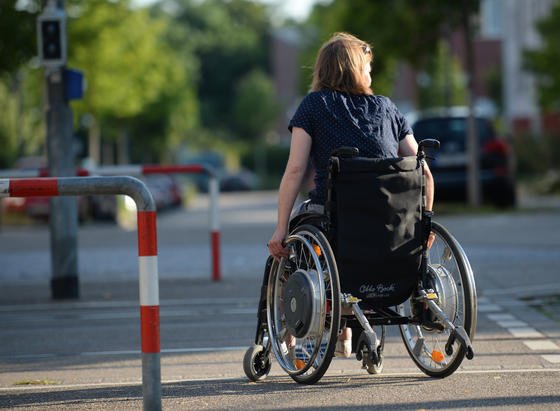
[{"x": 375, "y": 212}]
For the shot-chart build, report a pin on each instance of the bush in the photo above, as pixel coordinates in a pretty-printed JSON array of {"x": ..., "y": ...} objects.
[
  {"x": 538, "y": 160},
  {"x": 272, "y": 167},
  {"x": 537, "y": 154}
]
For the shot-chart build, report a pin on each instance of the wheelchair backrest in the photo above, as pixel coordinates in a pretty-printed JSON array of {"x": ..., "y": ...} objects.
[{"x": 374, "y": 210}]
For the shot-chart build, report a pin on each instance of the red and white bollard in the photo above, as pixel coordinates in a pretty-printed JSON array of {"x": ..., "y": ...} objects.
[
  {"x": 147, "y": 256},
  {"x": 139, "y": 170}
]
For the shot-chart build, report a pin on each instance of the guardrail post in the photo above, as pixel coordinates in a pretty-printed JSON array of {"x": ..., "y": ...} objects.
[{"x": 147, "y": 256}]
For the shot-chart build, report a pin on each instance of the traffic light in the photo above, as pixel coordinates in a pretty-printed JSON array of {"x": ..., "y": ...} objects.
[{"x": 51, "y": 37}]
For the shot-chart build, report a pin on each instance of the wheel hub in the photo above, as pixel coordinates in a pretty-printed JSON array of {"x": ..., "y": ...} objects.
[
  {"x": 444, "y": 285},
  {"x": 300, "y": 297}
]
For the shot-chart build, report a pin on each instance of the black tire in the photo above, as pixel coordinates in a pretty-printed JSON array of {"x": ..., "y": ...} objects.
[
  {"x": 256, "y": 364},
  {"x": 305, "y": 356},
  {"x": 454, "y": 282}
]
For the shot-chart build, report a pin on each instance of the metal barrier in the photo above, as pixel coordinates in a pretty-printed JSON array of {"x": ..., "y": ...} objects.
[
  {"x": 147, "y": 256},
  {"x": 138, "y": 170}
]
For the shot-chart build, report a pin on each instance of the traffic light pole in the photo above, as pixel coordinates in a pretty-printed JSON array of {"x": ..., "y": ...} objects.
[
  {"x": 63, "y": 221},
  {"x": 63, "y": 210}
]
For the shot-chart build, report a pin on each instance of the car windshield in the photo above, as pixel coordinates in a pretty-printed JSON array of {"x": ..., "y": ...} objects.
[{"x": 451, "y": 131}]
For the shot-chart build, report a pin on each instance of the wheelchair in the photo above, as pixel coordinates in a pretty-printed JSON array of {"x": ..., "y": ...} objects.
[{"x": 365, "y": 263}]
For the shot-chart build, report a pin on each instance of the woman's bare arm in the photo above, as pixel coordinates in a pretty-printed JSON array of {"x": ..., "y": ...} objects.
[{"x": 296, "y": 167}]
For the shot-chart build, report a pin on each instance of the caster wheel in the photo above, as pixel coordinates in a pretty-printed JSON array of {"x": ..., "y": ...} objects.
[
  {"x": 373, "y": 368},
  {"x": 256, "y": 364}
]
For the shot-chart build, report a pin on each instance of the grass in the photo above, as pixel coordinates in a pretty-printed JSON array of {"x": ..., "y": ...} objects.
[
  {"x": 36, "y": 382},
  {"x": 16, "y": 219},
  {"x": 546, "y": 305},
  {"x": 454, "y": 208}
]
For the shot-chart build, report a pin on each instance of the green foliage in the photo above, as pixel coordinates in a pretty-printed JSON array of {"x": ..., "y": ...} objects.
[
  {"x": 138, "y": 85},
  {"x": 537, "y": 154},
  {"x": 17, "y": 36},
  {"x": 255, "y": 107},
  {"x": 445, "y": 81},
  {"x": 125, "y": 60},
  {"x": 21, "y": 129},
  {"x": 8, "y": 126},
  {"x": 21, "y": 125},
  {"x": 399, "y": 30},
  {"x": 229, "y": 39},
  {"x": 276, "y": 158},
  {"x": 544, "y": 62},
  {"x": 180, "y": 72}
]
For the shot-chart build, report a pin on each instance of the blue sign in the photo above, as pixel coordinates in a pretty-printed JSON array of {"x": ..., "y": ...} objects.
[{"x": 73, "y": 84}]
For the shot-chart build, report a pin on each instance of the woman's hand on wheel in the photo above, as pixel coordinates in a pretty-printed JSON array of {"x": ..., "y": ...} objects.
[
  {"x": 431, "y": 239},
  {"x": 277, "y": 245}
]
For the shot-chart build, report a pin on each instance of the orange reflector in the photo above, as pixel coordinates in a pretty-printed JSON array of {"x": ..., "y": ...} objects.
[
  {"x": 299, "y": 364},
  {"x": 317, "y": 249},
  {"x": 437, "y": 356}
]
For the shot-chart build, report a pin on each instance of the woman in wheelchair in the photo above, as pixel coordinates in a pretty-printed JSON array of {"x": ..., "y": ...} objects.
[{"x": 362, "y": 252}]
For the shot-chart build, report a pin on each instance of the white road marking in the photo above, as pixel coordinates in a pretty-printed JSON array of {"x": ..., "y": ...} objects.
[
  {"x": 525, "y": 332},
  {"x": 512, "y": 324},
  {"x": 520, "y": 329},
  {"x": 486, "y": 308},
  {"x": 279, "y": 377},
  {"x": 482, "y": 300},
  {"x": 541, "y": 345},
  {"x": 500, "y": 317},
  {"x": 130, "y": 352},
  {"x": 553, "y": 358}
]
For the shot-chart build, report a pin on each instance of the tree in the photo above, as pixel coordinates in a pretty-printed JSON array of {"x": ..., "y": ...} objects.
[
  {"x": 255, "y": 108},
  {"x": 229, "y": 39},
  {"x": 443, "y": 83},
  {"x": 17, "y": 35},
  {"x": 544, "y": 61},
  {"x": 21, "y": 123},
  {"x": 135, "y": 80},
  {"x": 406, "y": 30}
]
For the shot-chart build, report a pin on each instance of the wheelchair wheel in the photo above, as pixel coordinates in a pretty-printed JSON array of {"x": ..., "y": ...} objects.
[
  {"x": 303, "y": 306},
  {"x": 451, "y": 276},
  {"x": 256, "y": 363}
]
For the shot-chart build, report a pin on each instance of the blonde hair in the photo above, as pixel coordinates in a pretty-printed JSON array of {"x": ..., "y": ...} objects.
[{"x": 340, "y": 65}]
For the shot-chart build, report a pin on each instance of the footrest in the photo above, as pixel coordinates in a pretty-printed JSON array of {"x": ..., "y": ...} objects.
[{"x": 461, "y": 335}]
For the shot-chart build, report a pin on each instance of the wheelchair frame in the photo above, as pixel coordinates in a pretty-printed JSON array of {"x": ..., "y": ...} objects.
[{"x": 300, "y": 310}]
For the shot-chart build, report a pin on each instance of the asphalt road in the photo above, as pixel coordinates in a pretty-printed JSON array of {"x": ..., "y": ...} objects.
[{"x": 85, "y": 354}]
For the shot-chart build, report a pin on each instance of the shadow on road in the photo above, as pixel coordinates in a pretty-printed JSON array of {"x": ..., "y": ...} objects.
[{"x": 239, "y": 394}]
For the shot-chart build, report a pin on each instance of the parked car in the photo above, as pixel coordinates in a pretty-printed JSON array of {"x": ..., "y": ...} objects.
[
  {"x": 242, "y": 180},
  {"x": 98, "y": 207},
  {"x": 166, "y": 191},
  {"x": 449, "y": 166}
]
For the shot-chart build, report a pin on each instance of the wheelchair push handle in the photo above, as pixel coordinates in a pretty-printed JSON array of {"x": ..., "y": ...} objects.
[{"x": 430, "y": 143}]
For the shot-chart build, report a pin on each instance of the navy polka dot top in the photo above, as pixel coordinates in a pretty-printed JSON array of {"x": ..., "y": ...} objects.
[{"x": 372, "y": 123}]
